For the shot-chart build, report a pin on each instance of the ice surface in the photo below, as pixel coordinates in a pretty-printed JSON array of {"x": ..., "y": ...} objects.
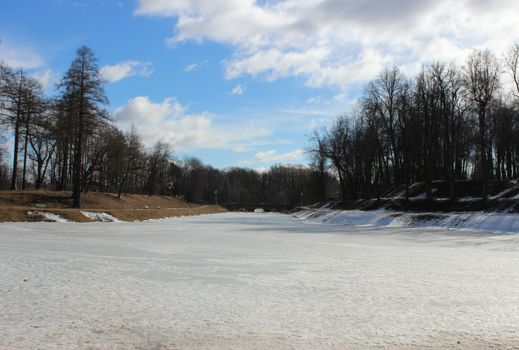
[{"x": 245, "y": 281}]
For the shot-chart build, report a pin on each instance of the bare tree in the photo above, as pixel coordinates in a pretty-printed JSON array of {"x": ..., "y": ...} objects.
[
  {"x": 382, "y": 98},
  {"x": 512, "y": 65},
  {"x": 482, "y": 83},
  {"x": 317, "y": 153},
  {"x": 158, "y": 166},
  {"x": 82, "y": 86},
  {"x": 18, "y": 103},
  {"x": 43, "y": 146},
  {"x": 34, "y": 108},
  {"x": 135, "y": 162}
]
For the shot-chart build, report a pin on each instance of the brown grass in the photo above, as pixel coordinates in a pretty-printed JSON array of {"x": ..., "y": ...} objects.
[
  {"x": 90, "y": 200},
  {"x": 15, "y": 205},
  {"x": 15, "y": 215}
]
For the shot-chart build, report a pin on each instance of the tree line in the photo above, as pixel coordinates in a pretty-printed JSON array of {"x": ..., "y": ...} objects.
[
  {"x": 68, "y": 143},
  {"x": 446, "y": 123}
]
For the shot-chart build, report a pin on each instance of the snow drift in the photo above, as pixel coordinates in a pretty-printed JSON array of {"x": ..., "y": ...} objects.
[
  {"x": 479, "y": 221},
  {"x": 98, "y": 216},
  {"x": 46, "y": 216}
]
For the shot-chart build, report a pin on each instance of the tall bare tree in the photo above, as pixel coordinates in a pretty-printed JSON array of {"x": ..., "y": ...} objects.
[
  {"x": 18, "y": 91},
  {"x": 34, "y": 108},
  {"x": 482, "y": 83},
  {"x": 383, "y": 98},
  {"x": 43, "y": 146},
  {"x": 319, "y": 164},
  {"x": 82, "y": 87}
]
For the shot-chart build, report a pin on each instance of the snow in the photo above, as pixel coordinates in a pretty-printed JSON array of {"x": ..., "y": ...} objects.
[
  {"x": 245, "y": 281},
  {"x": 50, "y": 217},
  {"x": 99, "y": 216},
  {"x": 469, "y": 199},
  {"x": 420, "y": 196},
  {"x": 476, "y": 221},
  {"x": 504, "y": 192}
]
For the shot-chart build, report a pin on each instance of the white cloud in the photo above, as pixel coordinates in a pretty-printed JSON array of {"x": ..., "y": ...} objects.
[
  {"x": 121, "y": 70},
  {"x": 238, "y": 90},
  {"x": 18, "y": 56},
  {"x": 169, "y": 121},
  {"x": 190, "y": 67},
  {"x": 195, "y": 66},
  {"x": 314, "y": 112},
  {"x": 47, "y": 78},
  {"x": 273, "y": 157},
  {"x": 338, "y": 42}
]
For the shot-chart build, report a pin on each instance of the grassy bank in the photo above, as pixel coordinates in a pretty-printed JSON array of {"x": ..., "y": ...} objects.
[
  {"x": 20, "y": 214},
  {"x": 20, "y": 206}
]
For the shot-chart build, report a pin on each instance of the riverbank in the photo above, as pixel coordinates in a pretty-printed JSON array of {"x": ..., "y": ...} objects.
[{"x": 30, "y": 206}]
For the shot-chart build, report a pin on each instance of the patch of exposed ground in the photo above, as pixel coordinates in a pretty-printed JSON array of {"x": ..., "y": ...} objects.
[{"x": 17, "y": 206}]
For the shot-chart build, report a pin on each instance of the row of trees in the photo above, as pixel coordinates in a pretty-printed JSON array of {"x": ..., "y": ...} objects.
[
  {"x": 448, "y": 123},
  {"x": 68, "y": 142},
  {"x": 280, "y": 185},
  {"x": 54, "y": 133}
]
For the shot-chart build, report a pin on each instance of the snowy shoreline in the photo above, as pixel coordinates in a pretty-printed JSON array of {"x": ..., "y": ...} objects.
[{"x": 475, "y": 221}]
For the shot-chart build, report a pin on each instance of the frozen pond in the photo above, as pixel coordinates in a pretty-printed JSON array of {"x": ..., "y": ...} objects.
[{"x": 255, "y": 281}]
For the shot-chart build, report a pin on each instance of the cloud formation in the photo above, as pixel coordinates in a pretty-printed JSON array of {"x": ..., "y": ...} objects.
[
  {"x": 126, "y": 69},
  {"x": 238, "y": 90},
  {"x": 169, "y": 121},
  {"x": 47, "y": 78},
  {"x": 18, "y": 56},
  {"x": 193, "y": 67},
  {"x": 190, "y": 68},
  {"x": 337, "y": 42},
  {"x": 273, "y": 157}
]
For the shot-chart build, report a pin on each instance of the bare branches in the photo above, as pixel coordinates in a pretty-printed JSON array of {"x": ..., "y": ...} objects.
[{"x": 511, "y": 60}]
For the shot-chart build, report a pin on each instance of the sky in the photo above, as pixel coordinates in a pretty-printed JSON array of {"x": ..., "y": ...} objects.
[{"x": 244, "y": 82}]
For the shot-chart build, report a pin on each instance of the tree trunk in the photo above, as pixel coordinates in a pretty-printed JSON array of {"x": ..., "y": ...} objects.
[
  {"x": 483, "y": 155},
  {"x": 15, "y": 154},
  {"x": 26, "y": 142},
  {"x": 76, "y": 191}
]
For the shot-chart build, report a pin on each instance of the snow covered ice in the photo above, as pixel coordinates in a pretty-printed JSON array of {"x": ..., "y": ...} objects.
[{"x": 249, "y": 281}]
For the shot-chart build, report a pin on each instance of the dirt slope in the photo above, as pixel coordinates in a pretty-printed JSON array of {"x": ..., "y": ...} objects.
[
  {"x": 91, "y": 200},
  {"x": 17, "y": 205}
]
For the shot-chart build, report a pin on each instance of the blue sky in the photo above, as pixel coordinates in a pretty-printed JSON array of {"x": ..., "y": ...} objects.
[{"x": 244, "y": 82}]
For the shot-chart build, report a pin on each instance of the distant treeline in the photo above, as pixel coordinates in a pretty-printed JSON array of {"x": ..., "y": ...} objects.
[
  {"x": 68, "y": 142},
  {"x": 447, "y": 123}
]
